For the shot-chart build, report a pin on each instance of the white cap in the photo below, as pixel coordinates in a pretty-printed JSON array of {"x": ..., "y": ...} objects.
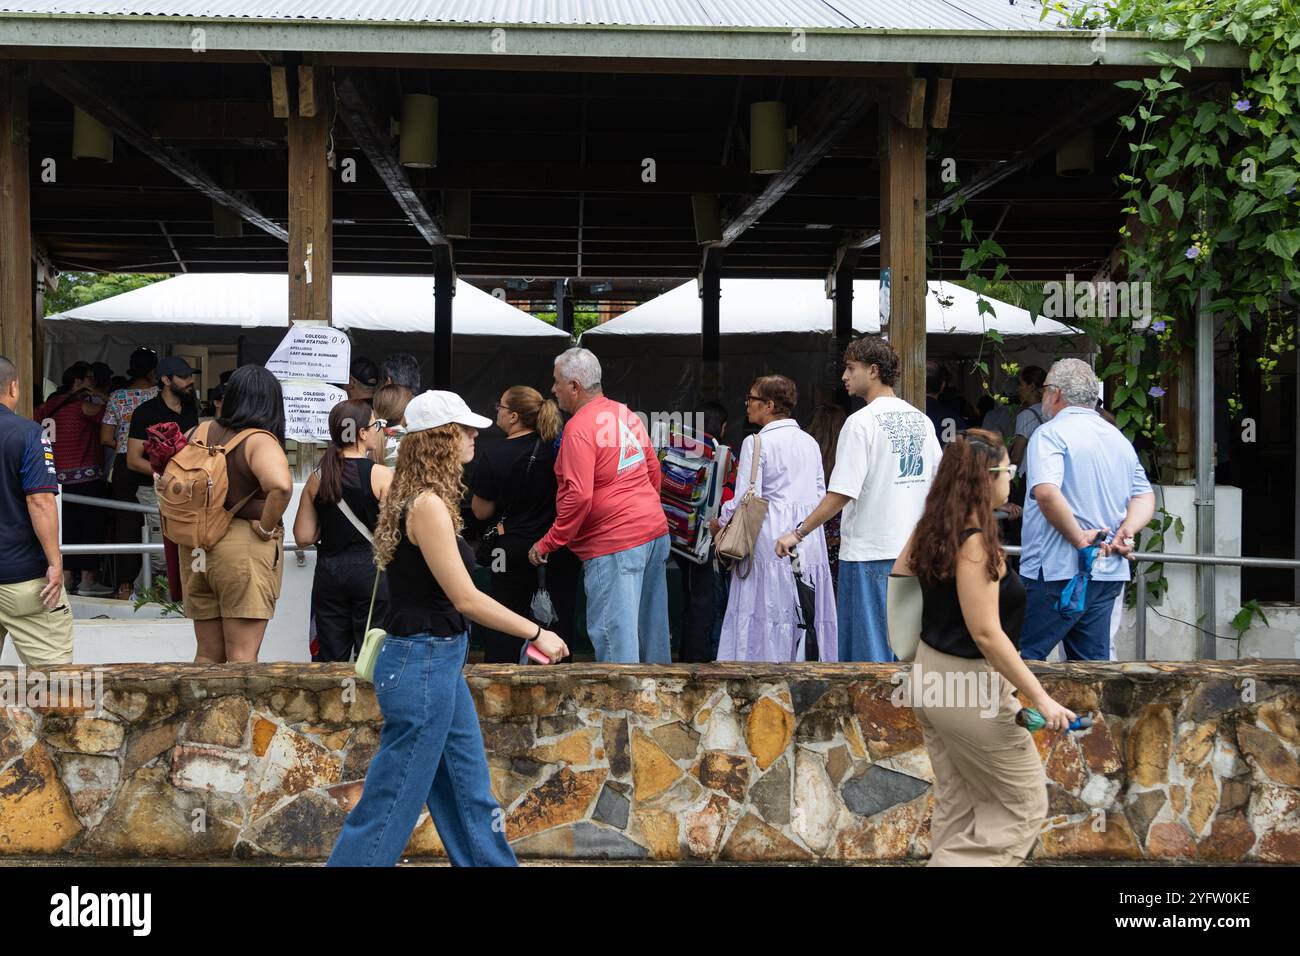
[{"x": 434, "y": 409}]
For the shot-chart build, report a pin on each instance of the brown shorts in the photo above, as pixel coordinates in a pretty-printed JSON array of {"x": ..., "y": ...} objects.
[{"x": 239, "y": 577}]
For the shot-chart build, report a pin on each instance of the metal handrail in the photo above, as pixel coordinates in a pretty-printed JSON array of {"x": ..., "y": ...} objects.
[{"x": 1139, "y": 560}]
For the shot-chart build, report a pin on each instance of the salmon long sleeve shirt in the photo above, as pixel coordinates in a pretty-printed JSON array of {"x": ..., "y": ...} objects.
[{"x": 608, "y": 476}]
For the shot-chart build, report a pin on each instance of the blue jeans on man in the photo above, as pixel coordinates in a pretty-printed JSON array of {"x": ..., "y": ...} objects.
[
  {"x": 860, "y": 605},
  {"x": 1086, "y": 633},
  {"x": 430, "y": 753},
  {"x": 627, "y": 604}
]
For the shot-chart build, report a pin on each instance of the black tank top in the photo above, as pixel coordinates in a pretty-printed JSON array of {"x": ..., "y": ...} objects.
[
  {"x": 417, "y": 603},
  {"x": 942, "y": 624},
  {"x": 337, "y": 533}
]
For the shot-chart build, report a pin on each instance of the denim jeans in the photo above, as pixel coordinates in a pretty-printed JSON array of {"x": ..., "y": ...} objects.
[
  {"x": 862, "y": 610},
  {"x": 627, "y": 604},
  {"x": 1086, "y": 633},
  {"x": 430, "y": 753}
]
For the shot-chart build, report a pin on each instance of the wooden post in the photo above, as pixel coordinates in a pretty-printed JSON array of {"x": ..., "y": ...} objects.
[
  {"x": 16, "y": 299},
  {"x": 902, "y": 246},
  {"x": 311, "y": 204},
  {"x": 711, "y": 325}
]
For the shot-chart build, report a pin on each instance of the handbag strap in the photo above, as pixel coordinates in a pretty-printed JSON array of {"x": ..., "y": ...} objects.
[
  {"x": 356, "y": 522},
  {"x": 531, "y": 458},
  {"x": 373, "y": 592},
  {"x": 753, "y": 465}
]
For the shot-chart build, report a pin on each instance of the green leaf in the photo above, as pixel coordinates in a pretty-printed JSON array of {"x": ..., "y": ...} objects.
[
  {"x": 1133, "y": 84},
  {"x": 1241, "y": 205},
  {"x": 1284, "y": 244},
  {"x": 1176, "y": 204},
  {"x": 993, "y": 334}
]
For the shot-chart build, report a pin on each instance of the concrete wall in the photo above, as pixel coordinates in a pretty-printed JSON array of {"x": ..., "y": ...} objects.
[{"x": 733, "y": 762}]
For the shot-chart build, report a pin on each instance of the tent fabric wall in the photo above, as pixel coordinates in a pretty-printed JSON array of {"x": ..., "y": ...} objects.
[
  {"x": 495, "y": 344},
  {"x": 650, "y": 355}
]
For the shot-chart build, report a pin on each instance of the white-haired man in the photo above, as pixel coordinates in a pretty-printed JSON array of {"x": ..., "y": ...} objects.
[
  {"x": 1084, "y": 479},
  {"x": 607, "y": 512}
]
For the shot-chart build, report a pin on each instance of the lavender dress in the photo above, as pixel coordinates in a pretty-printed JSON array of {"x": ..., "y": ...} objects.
[{"x": 762, "y": 622}]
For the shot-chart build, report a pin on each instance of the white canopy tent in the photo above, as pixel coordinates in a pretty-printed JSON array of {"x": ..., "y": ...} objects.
[
  {"x": 496, "y": 345},
  {"x": 650, "y": 354}
]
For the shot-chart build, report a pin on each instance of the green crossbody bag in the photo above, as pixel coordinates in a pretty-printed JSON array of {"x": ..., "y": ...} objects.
[{"x": 373, "y": 642}]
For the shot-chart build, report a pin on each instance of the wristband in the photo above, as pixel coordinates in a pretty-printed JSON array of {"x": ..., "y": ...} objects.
[
  {"x": 798, "y": 530},
  {"x": 535, "y": 636}
]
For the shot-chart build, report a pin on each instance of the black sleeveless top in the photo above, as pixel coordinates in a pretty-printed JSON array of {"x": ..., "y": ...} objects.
[
  {"x": 942, "y": 624},
  {"x": 337, "y": 533},
  {"x": 417, "y": 604}
]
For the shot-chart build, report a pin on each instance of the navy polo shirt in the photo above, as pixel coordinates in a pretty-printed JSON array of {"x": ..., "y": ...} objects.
[{"x": 26, "y": 468}]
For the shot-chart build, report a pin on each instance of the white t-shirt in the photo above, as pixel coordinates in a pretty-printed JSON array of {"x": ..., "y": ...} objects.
[
  {"x": 885, "y": 461},
  {"x": 1029, "y": 419}
]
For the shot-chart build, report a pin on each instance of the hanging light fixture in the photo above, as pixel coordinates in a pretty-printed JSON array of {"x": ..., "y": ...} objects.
[
  {"x": 768, "y": 138},
  {"x": 708, "y": 219},
  {"x": 91, "y": 139},
  {"x": 418, "y": 147},
  {"x": 1076, "y": 157},
  {"x": 226, "y": 223},
  {"x": 456, "y": 213}
]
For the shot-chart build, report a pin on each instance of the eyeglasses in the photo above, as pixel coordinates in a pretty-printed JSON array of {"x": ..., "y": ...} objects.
[
  {"x": 1050, "y": 385},
  {"x": 755, "y": 398},
  {"x": 377, "y": 423},
  {"x": 1009, "y": 469},
  {"x": 502, "y": 408}
]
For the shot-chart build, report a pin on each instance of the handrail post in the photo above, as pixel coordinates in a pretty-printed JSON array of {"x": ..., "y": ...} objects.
[
  {"x": 146, "y": 565},
  {"x": 1140, "y": 625}
]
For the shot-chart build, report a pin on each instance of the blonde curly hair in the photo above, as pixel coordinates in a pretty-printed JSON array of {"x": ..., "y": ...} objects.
[{"x": 427, "y": 462}]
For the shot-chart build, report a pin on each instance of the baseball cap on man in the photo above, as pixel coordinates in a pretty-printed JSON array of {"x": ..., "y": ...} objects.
[
  {"x": 435, "y": 409},
  {"x": 173, "y": 366}
]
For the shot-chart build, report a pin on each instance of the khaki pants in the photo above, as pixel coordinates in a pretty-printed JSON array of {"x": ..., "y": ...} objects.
[
  {"x": 990, "y": 791},
  {"x": 41, "y": 637}
]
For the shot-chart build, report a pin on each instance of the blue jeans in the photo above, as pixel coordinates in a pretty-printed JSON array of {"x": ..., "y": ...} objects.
[
  {"x": 1086, "y": 633},
  {"x": 862, "y": 612},
  {"x": 627, "y": 604},
  {"x": 430, "y": 753}
]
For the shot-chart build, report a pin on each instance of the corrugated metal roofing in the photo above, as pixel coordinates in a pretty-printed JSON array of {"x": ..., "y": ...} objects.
[{"x": 992, "y": 15}]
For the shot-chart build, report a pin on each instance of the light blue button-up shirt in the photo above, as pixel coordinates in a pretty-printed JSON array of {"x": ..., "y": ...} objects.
[{"x": 1098, "y": 471}]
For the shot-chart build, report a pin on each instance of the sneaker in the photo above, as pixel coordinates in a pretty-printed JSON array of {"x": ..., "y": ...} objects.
[{"x": 94, "y": 590}]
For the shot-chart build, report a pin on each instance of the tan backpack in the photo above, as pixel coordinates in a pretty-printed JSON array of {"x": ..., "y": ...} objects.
[{"x": 192, "y": 491}]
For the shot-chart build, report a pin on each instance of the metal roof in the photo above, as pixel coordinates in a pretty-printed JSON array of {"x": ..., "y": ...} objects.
[{"x": 947, "y": 15}]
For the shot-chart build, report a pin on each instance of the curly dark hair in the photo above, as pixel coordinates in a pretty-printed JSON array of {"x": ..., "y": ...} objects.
[{"x": 873, "y": 350}]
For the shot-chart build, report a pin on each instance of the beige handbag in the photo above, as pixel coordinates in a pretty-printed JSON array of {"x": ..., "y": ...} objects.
[
  {"x": 736, "y": 541},
  {"x": 904, "y": 603}
]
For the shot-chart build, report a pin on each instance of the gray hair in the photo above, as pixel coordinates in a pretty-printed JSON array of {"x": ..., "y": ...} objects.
[
  {"x": 581, "y": 366},
  {"x": 1076, "y": 380}
]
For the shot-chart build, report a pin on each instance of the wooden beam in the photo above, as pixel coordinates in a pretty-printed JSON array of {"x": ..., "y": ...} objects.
[
  {"x": 841, "y": 107},
  {"x": 940, "y": 102},
  {"x": 841, "y": 276},
  {"x": 907, "y": 101},
  {"x": 17, "y": 305},
  {"x": 90, "y": 91},
  {"x": 308, "y": 94},
  {"x": 902, "y": 189},
  {"x": 279, "y": 93},
  {"x": 370, "y": 130},
  {"x": 1105, "y": 104},
  {"x": 311, "y": 218}
]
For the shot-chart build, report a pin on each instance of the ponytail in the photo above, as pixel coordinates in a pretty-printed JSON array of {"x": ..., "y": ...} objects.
[
  {"x": 548, "y": 421},
  {"x": 347, "y": 419}
]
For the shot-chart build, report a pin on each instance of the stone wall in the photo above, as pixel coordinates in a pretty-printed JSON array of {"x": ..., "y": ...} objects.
[{"x": 715, "y": 762}]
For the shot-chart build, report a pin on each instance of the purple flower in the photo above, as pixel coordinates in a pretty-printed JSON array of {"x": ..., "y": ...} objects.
[
  {"x": 1158, "y": 326},
  {"x": 1193, "y": 252},
  {"x": 1242, "y": 105},
  {"x": 1155, "y": 391}
]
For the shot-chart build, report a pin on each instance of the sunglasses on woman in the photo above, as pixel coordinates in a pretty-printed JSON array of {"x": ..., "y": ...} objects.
[{"x": 1010, "y": 469}]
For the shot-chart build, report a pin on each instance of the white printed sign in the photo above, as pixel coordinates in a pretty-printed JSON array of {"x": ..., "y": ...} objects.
[
  {"x": 307, "y": 410},
  {"x": 312, "y": 351}
]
